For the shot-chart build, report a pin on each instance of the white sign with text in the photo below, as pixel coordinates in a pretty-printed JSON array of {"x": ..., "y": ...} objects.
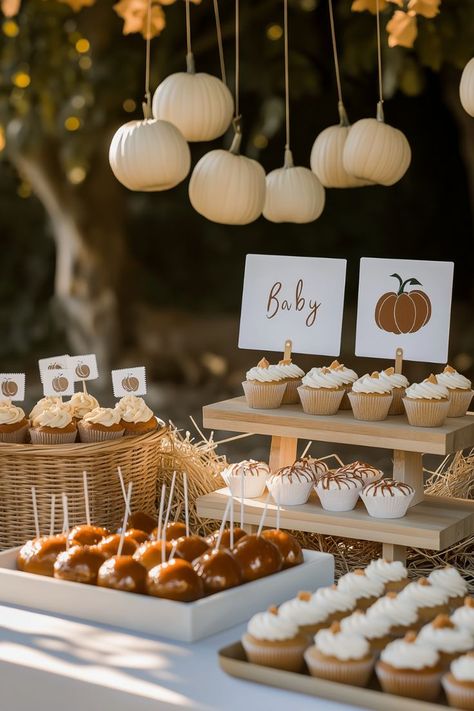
[
  {"x": 404, "y": 303},
  {"x": 296, "y": 298}
]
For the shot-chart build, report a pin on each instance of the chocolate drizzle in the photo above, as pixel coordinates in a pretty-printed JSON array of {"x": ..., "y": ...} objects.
[
  {"x": 387, "y": 487},
  {"x": 293, "y": 473},
  {"x": 248, "y": 468},
  {"x": 341, "y": 481},
  {"x": 362, "y": 469}
]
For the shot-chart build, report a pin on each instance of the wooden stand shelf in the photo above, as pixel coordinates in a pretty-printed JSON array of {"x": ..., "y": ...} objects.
[{"x": 431, "y": 522}]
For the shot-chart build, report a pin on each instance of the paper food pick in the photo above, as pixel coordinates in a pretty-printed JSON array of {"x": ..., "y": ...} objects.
[
  {"x": 129, "y": 381},
  {"x": 125, "y": 518},
  {"x": 84, "y": 367},
  {"x": 35, "y": 511},
  {"x": 60, "y": 362},
  {"x": 58, "y": 382},
  {"x": 12, "y": 386}
]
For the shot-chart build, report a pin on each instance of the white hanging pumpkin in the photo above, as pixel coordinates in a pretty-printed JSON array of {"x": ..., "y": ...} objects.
[
  {"x": 326, "y": 156},
  {"x": 294, "y": 194},
  {"x": 376, "y": 151},
  {"x": 466, "y": 88},
  {"x": 228, "y": 188},
  {"x": 200, "y": 105},
  {"x": 149, "y": 155}
]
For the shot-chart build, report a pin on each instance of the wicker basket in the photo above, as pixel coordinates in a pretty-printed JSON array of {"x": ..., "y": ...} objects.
[{"x": 54, "y": 469}]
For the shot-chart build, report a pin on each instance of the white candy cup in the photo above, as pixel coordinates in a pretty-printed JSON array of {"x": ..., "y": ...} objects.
[
  {"x": 387, "y": 506},
  {"x": 254, "y": 484},
  {"x": 290, "y": 493},
  {"x": 338, "y": 499}
]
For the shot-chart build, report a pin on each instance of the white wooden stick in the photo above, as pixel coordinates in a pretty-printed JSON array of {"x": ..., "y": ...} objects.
[
  {"x": 241, "y": 500},
  {"x": 198, "y": 429},
  {"x": 173, "y": 550},
  {"x": 221, "y": 529},
  {"x": 35, "y": 511},
  {"x": 262, "y": 518},
  {"x": 163, "y": 544},
  {"x": 160, "y": 512},
  {"x": 278, "y": 510},
  {"x": 333, "y": 456},
  {"x": 186, "y": 502},
  {"x": 86, "y": 498},
  {"x": 125, "y": 519},
  {"x": 65, "y": 518},
  {"x": 170, "y": 500},
  {"x": 231, "y": 522},
  {"x": 306, "y": 449},
  {"x": 122, "y": 485},
  {"x": 53, "y": 515}
]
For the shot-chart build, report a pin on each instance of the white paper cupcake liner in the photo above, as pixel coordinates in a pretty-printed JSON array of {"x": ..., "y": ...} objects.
[
  {"x": 338, "y": 499},
  {"x": 459, "y": 696},
  {"x": 423, "y": 685},
  {"x": 387, "y": 506},
  {"x": 90, "y": 435},
  {"x": 52, "y": 437},
  {"x": 459, "y": 401},
  {"x": 354, "y": 672},
  {"x": 426, "y": 413},
  {"x": 320, "y": 401},
  {"x": 290, "y": 493},
  {"x": 288, "y": 657},
  {"x": 290, "y": 396},
  {"x": 15, "y": 437},
  {"x": 254, "y": 485},
  {"x": 396, "y": 408},
  {"x": 264, "y": 396},
  {"x": 370, "y": 407}
]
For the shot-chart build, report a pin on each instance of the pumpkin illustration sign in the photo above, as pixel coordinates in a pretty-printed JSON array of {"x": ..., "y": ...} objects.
[
  {"x": 9, "y": 388},
  {"x": 129, "y": 381},
  {"x": 403, "y": 311}
]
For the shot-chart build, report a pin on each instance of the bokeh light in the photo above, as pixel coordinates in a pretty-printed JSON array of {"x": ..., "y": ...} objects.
[
  {"x": 85, "y": 63},
  {"x": 275, "y": 32},
  {"x": 72, "y": 123},
  {"x": 10, "y": 28},
  {"x": 21, "y": 80},
  {"x": 76, "y": 175},
  {"x": 129, "y": 105},
  {"x": 24, "y": 190},
  {"x": 82, "y": 46},
  {"x": 260, "y": 140}
]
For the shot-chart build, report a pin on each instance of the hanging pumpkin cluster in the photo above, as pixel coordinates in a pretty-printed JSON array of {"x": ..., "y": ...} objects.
[{"x": 466, "y": 88}]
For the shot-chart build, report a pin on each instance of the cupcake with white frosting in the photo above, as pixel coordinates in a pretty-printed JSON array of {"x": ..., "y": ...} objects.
[
  {"x": 427, "y": 403},
  {"x": 371, "y": 397},
  {"x": 81, "y": 403},
  {"x": 399, "y": 384},
  {"x": 458, "y": 683},
  {"x": 136, "y": 417},
  {"x": 428, "y": 599},
  {"x": 308, "y": 615},
  {"x": 101, "y": 424},
  {"x": 448, "y": 639},
  {"x": 403, "y": 616},
  {"x": 45, "y": 403},
  {"x": 408, "y": 668},
  {"x": 364, "y": 471},
  {"x": 55, "y": 425},
  {"x": 375, "y": 629},
  {"x": 340, "y": 656},
  {"x": 321, "y": 392},
  {"x": 363, "y": 589},
  {"x": 335, "y": 602},
  {"x": 393, "y": 574},
  {"x": 292, "y": 485},
  {"x": 339, "y": 492},
  {"x": 247, "y": 477},
  {"x": 274, "y": 641},
  {"x": 347, "y": 376},
  {"x": 452, "y": 581},
  {"x": 464, "y": 616},
  {"x": 13, "y": 423},
  {"x": 387, "y": 498},
  {"x": 264, "y": 386},
  {"x": 460, "y": 391},
  {"x": 292, "y": 375}
]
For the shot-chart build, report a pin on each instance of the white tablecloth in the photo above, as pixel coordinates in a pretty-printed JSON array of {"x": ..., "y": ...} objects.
[{"x": 50, "y": 663}]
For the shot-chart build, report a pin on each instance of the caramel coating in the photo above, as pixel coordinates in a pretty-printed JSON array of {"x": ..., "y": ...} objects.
[
  {"x": 109, "y": 546},
  {"x": 79, "y": 564},
  {"x": 136, "y": 535},
  {"x": 142, "y": 521},
  {"x": 225, "y": 540},
  {"x": 290, "y": 550},
  {"x": 175, "y": 580},
  {"x": 38, "y": 555},
  {"x": 218, "y": 570},
  {"x": 175, "y": 530},
  {"x": 85, "y": 535},
  {"x": 257, "y": 557},
  {"x": 149, "y": 554},
  {"x": 122, "y": 572},
  {"x": 190, "y": 547}
]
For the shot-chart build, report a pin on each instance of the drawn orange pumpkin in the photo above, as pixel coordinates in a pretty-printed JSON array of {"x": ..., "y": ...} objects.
[
  {"x": 9, "y": 388},
  {"x": 82, "y": 370},
  {"x": 60, "y": 384},
  {"x": 130, "y": 383},
  {"x": 403, "y": 311}
]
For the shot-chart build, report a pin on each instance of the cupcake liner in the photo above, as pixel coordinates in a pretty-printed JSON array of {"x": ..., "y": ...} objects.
[
  {"x": 337, "y": 499},
  {"x": 423, "y": 685},
  {"x": 290, "y": 493},
  {"x": 387, "y": 506},
  {"x": 52, "y": 437},
  {"x": 355, "y": 672},
  {"x": 459, "y": 695},
  {"x": 320, "y": 401},
  {"x": 426, "y": 413},
  {"x": 263, "y": 396},
  {"x": 370, "y": 407},
  {"x": 288, "y": 657},
  {"x": 254, "y": 486},
  {"x": 396, "y": 408},
  {"x": 87, "y": 434},
  {"x": 345, "y": 402},
  {"x": 459, "y": 401},
  {"x": 15, "y": 437},
  {"x": 290, "y": 396}
]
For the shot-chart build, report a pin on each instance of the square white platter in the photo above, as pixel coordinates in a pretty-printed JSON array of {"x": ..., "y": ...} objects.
[{"x": 185, "y": 622}]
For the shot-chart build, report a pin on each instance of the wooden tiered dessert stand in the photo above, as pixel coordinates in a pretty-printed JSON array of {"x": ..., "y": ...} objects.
[{"x": 432, "y": 522}]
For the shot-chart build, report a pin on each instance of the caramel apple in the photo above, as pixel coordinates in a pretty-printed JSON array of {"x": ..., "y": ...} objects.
[
  {"x": 225, "y": 540},
  {"x": 109, "y": 546},
  {"x": 257, "y": 557},
  {"x": 149, "y": 554},
  {"x": 175, "y": 580},
  {"x": 218, "y": 570},
  {"x": 122, "y": 572},
  {"x": 86, "y": 535},
  {"x": 79, "y": 564},
  {"x": 190, "y": 547},
  {"x": 136, "y": 535},
  {"x": 175, "y": 530},
  {"x": 142, "y": 521},
  {"x": 290, "y": 550},
  {"x": 38, "y": 555}
]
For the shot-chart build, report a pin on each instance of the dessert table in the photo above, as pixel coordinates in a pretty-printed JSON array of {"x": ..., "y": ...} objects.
[{"x": 56, "y": 663}]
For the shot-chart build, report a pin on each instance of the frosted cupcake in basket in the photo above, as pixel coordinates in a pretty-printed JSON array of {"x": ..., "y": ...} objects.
[
  {"x": 371, "y": 397},
  {"x": 100, "y": 425},
  {"x": 136, "y": 417},
  {"x": 55, "y": 425},
  {"x": 460, "y": 391},
  {"x": 264, "y": 386},
  {"x": 273, "y": 641},
  {"x": 427, "y": 403},
  {"x": 347, "y": 377},
  {"x": 399, "y": 384},
  {"x": 45, "y": 403},
  {"x": 248, "y": 476},
  {"x": 13, "y": 423},
  {"x": 291, "y": 375},
  {"x": 458, "y": 683},
  {"x": 321, "y": 392},
  {"x": 387, "y": 498},
  {"x": 81, "y": 403},
  {"x": 339, "y": 492}
]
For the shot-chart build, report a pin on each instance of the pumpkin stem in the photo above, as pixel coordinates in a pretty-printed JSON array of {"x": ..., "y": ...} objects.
[
  {"x": 190, "y": 65},
  {"x": 412, "y": 282},
  {"x": 146, "y": 106},
  {"x": 400, "y": 282},
  {"x": 288, "y": 159},
  {"x": 237, "y": 140},
  {"x": 380, "y": 114},
  {"x": 343, "y": 118}
]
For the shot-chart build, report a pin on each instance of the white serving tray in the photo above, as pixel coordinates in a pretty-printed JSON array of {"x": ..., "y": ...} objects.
[{"x": 185, "y": 622}]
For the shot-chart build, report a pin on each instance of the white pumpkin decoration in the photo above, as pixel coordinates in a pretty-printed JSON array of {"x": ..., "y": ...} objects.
[
  {"x": 376, "y": 151},
  {"x": 200, "y": 105},
  {"x": 149, "y": 155},
  {"x": 326, "y": 156},
  {"x": 294, "y": 194},
  {"x": 466, "y": 88},
  {"x": 228, "y": 188}
]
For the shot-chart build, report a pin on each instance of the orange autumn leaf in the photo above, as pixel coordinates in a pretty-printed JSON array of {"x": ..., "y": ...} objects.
[
  {"x": 134, "y": 15},
  {"x": 371, "y": 5},
  {"x": 77, "y": 5},
  {"x": 402, "y": 29},
  {"x": 10, "y": 8},
  {"x": 427, "y": 8}
]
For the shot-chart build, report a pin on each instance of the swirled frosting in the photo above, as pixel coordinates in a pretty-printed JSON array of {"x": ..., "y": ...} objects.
[
  {"x": 360, "y": 585},
  {"x": 331, "y": 599},
  {"x": 82, "y": 403},
  {"x": 45, "y": 403},
  {"x": 263, "y": 372},
  {"x": 344, "y": 482},
  {"x": 372, "y": 384},
  {"x": 316, "y": 466},
  {"x": 341, "y": 645},
  {"x": 246, "y": 468},
  {"x": 429, "y": 389},
  {"x": 106, "y": 416},
  {"x": 10, "y": 414},
  {"x": 453, "y": 380},
  {"x": 395, "y": 380},
  {"x": 464, "y": 616},
  {"x": 287, "y": 369},
  {"x": 302, "y": 611},
  {"x": 450, "y": 580},
  {"x": 444, "y": 636},
  {"x": 57, "y": 416},
  {"x": 422, "y": 593},
  {"x": 271, "y": 627},
  {"x": 462, "y": 668},
  {"x": 366, "y": 472},
  {"x": 398, "y": 611},
  {"x": 388, "y": 488},
  {"x": 322, "y": 378},
  {"x": 408, "y": 654},
  {"x": 386, "y": 571},
  {"x": 346, "y": 374},
  {"x": 134, "y": 409},
  {"x": 372, "y": 627}
]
